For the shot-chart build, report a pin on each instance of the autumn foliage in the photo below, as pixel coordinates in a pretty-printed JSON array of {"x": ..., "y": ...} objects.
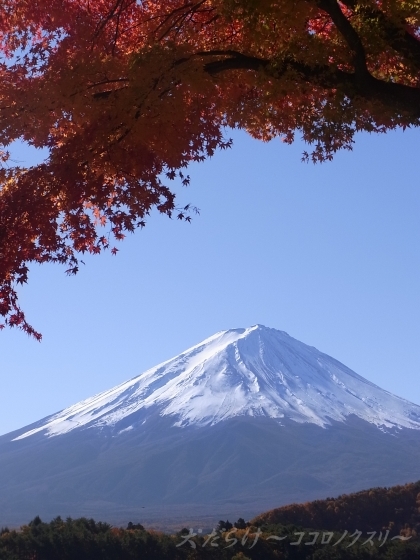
[
  {"x": 396, "y": 509},
  {"x": 124, "y": 94}
]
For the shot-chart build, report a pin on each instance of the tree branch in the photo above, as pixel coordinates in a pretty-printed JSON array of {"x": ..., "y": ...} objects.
[
  {"x": 332, "y": 8},
  {"x": 394, "y": 95},
  {"x": 233, "y": 61},
  {"x": 395, "y": 35}
]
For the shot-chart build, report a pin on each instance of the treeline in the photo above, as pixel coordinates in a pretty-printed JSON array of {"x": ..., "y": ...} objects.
[
  {"x": 85, "y": 539},
  {"x": 396, "y": 509},
  {"x": 382, "y": 523}
]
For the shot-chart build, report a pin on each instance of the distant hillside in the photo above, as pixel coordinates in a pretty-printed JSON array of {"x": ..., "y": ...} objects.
[
  {"x": 396, "y": 508},
  {"x": 288, "y": 533}
]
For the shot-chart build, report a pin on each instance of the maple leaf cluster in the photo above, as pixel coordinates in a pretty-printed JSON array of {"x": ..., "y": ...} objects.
[{"x": 124, "y": 94}]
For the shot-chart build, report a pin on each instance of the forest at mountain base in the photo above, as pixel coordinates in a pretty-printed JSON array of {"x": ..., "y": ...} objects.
[{"x": 381, "y": 523}]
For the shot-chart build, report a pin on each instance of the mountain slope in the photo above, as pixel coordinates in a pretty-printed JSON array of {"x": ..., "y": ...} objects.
[
  {"x": 247, "y": 420},
  {"x": 244, "y": 372}
]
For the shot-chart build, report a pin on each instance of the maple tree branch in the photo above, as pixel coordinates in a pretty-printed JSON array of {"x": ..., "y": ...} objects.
[
  {"x": 118, "y": 4},
  {"x": 332, "y": 8},
  {"x": 404, "y": 98},
  {"x": 172, "y": 13},
  {"x": 186, "y": 10},
  {"x": 396, "y": 36},
  {"x": 106, "y": 93},
  {"x": 233, "y": 61}
]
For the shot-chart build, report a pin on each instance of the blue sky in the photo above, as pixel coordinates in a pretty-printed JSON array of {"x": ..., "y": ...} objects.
[{"x": 328, "y": 253}]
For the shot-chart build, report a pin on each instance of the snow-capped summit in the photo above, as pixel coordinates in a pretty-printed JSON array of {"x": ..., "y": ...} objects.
[
  {"x": 256, "y": 371},
  {"x": 245, "y": 421}
]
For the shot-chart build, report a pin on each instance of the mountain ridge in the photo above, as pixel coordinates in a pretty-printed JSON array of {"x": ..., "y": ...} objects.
[
  {"x": 256, "y": 371},
  {"x": 331, "y": 432}
]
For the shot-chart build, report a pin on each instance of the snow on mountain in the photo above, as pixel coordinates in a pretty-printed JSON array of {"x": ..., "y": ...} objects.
[{"x": 242, "y": 372}]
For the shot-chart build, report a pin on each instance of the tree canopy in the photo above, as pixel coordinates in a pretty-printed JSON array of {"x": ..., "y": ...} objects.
[{"x": 124, "y": 94}]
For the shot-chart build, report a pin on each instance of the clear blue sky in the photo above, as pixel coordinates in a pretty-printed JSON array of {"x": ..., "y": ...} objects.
[{"x": 328, "y": 253}]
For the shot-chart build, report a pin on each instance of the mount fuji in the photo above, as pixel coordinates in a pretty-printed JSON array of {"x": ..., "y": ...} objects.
[{"x": 246, "y": 420}]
